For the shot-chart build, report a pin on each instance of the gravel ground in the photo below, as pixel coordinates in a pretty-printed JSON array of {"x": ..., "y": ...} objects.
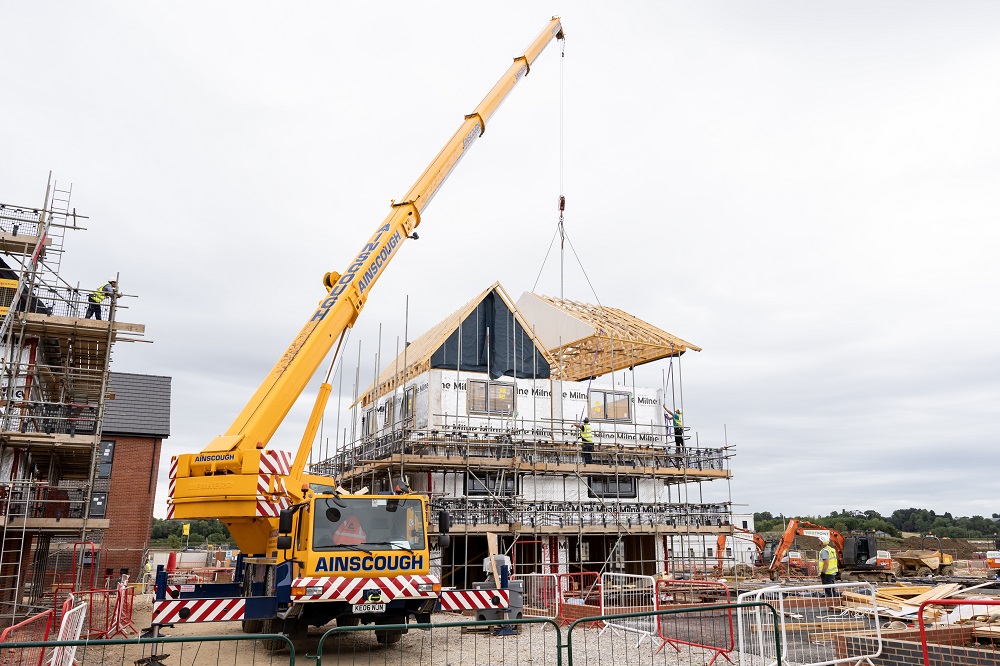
[{"x": 534, "y": 644}]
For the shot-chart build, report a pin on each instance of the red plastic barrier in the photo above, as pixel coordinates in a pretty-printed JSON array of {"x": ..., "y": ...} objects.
[
  {"x": 120, "y": 620},
  {"x": 100, "y": 604},
  {"x": 35, "y": 628},
  {"x": 579, "y": 596},
  {"x": 710, "y": 630},
  {"x": 954, "y": 637}
]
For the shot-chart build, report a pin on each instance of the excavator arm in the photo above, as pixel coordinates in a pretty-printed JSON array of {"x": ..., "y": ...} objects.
[
  {"x": 233, "y": 478},
  {"x": 758, "y": 542},
  {"x": 784, "y": 543},
  {"x": 797, "y": 528}
]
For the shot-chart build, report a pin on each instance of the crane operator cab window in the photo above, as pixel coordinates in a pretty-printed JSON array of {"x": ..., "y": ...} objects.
[{"x": 368, "y": 523}]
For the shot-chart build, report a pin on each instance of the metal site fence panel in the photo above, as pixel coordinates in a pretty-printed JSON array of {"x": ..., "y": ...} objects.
[
  {"x": 810, "y": 624},
  {"x": 69, "y": 630},
  {"x": 535, "y": 641},
  {"x": 35, "y": 628},
  {"x": 629, "y": 593},
  {"x": 585, "y": 645},
  {"x": 954, "y": 631},
  {"x": 541, "y": 595},
  {"x": 708, "y": 629},
  {"x": 234, "y": 650}
]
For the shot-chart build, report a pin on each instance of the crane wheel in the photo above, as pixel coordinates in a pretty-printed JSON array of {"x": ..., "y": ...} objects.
[
  {"x": 390, "y": 636},
  {"x": 272, "y": 626},
  {"x": 253, "y": 626}
]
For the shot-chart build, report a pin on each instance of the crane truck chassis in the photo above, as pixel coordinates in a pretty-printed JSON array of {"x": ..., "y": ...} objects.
[
  {"x": 369, "y": 555},
  {"x": 311, "y": 553}
]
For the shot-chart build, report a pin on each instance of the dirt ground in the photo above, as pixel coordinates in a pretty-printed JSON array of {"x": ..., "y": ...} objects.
[
  {"x": 534, "y": 645},
  {"x": 963, "y": 548}
]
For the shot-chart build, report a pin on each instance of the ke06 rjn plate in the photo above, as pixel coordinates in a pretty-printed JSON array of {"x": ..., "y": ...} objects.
[{"x": 368, "y": 608}]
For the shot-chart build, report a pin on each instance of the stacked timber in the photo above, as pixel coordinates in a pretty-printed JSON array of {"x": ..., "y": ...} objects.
[{"x": 903, "y": 602}]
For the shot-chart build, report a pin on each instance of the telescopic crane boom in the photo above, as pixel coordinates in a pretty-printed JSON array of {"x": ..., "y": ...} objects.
[{"x": 223, "y": 481}]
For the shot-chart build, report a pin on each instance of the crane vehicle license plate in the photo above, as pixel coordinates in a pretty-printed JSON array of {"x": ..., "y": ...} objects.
[{"x": 368, "y": 608}]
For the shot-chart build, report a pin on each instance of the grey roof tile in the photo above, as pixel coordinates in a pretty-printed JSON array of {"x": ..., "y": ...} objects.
[{"x": 141, "y": 406}]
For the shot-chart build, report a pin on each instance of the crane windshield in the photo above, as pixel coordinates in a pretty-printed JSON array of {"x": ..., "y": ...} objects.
[{"x": 370, "y": 523}]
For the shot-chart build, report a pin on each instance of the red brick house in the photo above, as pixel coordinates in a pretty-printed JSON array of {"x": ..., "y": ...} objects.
[{"x": 136, "y": 422}]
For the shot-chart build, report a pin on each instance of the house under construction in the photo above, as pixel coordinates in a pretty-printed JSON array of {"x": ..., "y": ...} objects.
[
  {"x": 55, "y": 378},
  {"x": 481, "y": 412}
]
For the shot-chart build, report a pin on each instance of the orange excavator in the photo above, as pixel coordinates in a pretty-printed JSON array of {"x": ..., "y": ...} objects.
[
  {"x": 758, "y": 541},
  {"x": 858, "y": 557}
]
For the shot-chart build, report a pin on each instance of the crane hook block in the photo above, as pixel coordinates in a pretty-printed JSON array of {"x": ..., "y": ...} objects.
[
  {"x": 562, "y": 203},
  {"x": 330, "y": 279}
]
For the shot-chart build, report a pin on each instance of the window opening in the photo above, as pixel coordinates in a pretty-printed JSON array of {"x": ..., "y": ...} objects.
[
  {"x": 491, "y": 397},
  {"x": 106, "y": 459},
  {"x": 610, "y": 486},
  {"x": 491, "y": 483},
  {"x": 610, "y": 406}
]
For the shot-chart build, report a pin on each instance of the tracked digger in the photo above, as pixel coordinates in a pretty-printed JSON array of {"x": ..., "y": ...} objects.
[{"x": 858, "y": 556}]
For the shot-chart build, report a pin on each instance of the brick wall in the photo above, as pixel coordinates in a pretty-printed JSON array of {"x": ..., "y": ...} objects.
[
  {"x": 902, "y": 647},
  {"x": 130, "y": 502}
]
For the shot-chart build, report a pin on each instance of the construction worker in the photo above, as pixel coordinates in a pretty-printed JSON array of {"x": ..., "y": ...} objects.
[
  {"x": 147, "y": 574},
  {"x": 108, "y": 290},
  {"x": 587, "y": 435},
  {"x": 827, "y": 566},
  {"x": 677, "y": 421}
]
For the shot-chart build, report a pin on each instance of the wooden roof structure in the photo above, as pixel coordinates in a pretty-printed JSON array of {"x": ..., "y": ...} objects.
[
  {"x": 416, "y": 357},
  {"x": 592, "y": 340}
]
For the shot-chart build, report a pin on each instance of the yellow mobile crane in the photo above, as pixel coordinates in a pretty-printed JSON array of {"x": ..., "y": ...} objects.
[{"x": 310, "y": 554}]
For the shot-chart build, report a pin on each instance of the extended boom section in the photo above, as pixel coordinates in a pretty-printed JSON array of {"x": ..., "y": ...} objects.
[{"x": 310, "y": 553}]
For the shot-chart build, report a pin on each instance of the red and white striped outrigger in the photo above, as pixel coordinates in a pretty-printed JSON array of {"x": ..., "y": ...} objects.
[
  {"x": 472, "y": 600},
  {"x": 356, "y": 590},
  {"x": 173, "y": 611}
]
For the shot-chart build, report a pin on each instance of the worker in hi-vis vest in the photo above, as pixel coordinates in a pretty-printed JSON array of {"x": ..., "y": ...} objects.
[
  {"x": 108, "y": 290},
  {"x": 677, "y": 421},
  {"x": 587, "y": 435},
  {"x": 827, "y": 566}
]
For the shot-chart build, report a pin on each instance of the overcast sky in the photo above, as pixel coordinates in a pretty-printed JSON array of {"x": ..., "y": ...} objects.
[{"x": 808, "y": 191}]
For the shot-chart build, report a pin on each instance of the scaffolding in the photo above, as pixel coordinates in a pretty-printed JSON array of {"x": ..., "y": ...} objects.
[
  {"x": 503, "y": 455},
  {"x": 54, "y": 379},
  {"x": 489, "y": 482}
]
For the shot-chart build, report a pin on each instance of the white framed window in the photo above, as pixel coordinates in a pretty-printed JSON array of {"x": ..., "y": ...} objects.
[
  {"x": 491, "y": 397},
  {"x": 610, "y": 406},
  {"x": 368, "y": 422},
  {"x": 408, "y": 405}
]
